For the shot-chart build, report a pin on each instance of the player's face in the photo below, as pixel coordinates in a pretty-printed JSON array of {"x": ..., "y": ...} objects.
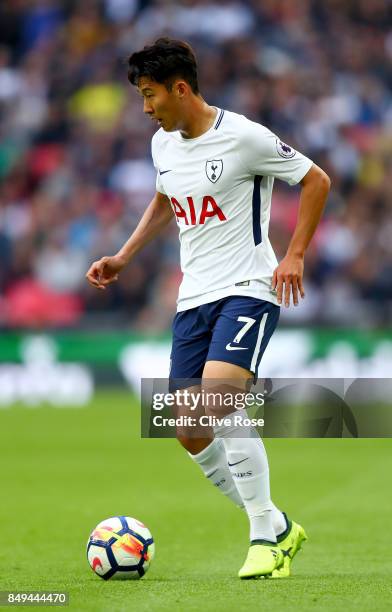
[{"x": 160, "y": 104}]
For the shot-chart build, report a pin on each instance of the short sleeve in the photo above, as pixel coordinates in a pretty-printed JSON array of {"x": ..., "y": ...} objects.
[
  {"x": 263, "y": 153},
  {"x": 158, "y": 183}
]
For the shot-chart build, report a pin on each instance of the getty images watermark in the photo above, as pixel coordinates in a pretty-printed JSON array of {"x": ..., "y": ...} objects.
[
  {"x": 196, "y": 411},
  {"x": 275, "y": 408},
  {"x": 196, "y": 402}
]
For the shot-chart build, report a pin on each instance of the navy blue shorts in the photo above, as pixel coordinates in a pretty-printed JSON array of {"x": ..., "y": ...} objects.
[{"x": 235, "y": 329}]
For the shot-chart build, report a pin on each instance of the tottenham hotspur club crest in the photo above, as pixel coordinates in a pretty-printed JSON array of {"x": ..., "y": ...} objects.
[{"x": 214, "y": 168}]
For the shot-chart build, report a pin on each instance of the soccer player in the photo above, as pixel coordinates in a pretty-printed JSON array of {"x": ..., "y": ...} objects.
[{"x": 215, "y": 173}]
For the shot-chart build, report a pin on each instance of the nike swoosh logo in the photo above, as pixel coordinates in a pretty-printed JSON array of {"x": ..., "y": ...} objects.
[
  {"x": 237, "y": 462},
  {"x": 212, "y": 473},
  {"x": 164, "y": 172},
  {"x": 235, "y": 348}
]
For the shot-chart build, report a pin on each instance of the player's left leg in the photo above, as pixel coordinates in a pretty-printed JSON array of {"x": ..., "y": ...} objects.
[{"x": 191, "y": 339}]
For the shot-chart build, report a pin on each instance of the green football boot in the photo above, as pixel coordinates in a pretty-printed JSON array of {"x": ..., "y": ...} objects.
[
  {"x": 263, "y": 558},
  {"x": 289, "y": 542}
]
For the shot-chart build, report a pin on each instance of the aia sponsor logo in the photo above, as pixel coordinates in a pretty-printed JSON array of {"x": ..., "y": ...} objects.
[{"x": 188, "y": 214}]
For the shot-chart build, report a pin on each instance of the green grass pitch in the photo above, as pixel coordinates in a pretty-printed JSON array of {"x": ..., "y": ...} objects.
[{"x": 64, "y": 470}]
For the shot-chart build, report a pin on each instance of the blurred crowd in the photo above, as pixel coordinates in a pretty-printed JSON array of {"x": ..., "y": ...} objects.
[{"x": 75, "y": 166}]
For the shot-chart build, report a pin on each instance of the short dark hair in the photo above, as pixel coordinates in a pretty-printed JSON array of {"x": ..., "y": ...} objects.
[{"x": 163, "y": 62}]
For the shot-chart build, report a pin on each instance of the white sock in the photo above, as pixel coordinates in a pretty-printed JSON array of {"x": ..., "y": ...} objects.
[
  {"x": 248, "y": 464},
  {"x": 279, "y": 521},
  {"x": 213, "y": 462}
]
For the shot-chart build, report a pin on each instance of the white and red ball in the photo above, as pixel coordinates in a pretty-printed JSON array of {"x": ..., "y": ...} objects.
[{"x": 120, "y": 547}]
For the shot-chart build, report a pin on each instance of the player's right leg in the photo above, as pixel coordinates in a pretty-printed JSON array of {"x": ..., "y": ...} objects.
[
  {"x": 247, "y": 461},
  {"x": 290, "y": 542},
  {"x": 268, "y": 524},
  {"x": 191, "y": 340}
]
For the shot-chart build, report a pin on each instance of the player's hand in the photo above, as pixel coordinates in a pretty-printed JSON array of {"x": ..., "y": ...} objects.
[
  {"x": 105, "y": 271},
  {"x": 287, "y": 279}
]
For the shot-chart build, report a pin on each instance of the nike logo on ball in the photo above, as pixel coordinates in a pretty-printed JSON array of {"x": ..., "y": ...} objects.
[{"x": 235, "y": 348}]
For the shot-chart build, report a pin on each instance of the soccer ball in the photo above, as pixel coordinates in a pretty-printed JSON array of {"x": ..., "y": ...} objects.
[{"x": 120, "y": 547}]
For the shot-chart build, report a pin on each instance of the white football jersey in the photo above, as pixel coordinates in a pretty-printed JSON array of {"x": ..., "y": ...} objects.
[{"x": 220, "y": 188}]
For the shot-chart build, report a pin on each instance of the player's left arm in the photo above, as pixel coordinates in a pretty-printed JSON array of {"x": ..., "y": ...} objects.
[{"x": 288, "y": 276}]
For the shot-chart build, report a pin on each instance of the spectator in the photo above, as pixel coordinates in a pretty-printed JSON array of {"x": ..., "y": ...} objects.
[{"x": 75, "y": 147}]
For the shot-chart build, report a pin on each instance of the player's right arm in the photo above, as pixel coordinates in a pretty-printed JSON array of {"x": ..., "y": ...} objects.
[{"x": 156, "y": 216}]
